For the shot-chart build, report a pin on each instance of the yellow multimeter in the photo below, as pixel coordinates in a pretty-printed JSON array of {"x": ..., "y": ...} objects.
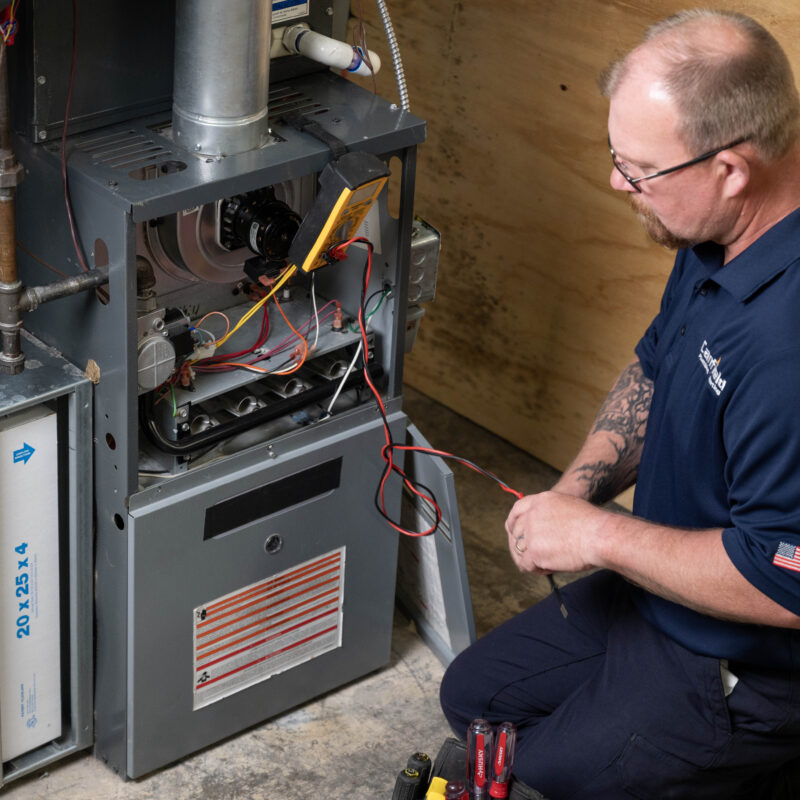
[{"x": 349, "y": 186}]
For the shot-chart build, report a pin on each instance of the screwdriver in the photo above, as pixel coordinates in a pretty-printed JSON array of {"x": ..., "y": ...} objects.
[
  {"x": 408, "y": 785},
  {"x": 504, "y": 747},
  {"x": 479, "y": 757},
  {"x": 423, "y": 764}
]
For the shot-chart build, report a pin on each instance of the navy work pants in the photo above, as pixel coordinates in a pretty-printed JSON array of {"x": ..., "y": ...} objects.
[{"x": 608, "y": 707}]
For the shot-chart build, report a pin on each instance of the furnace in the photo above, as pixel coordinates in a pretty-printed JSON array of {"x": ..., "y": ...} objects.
[{"x": 235, "y": 328}]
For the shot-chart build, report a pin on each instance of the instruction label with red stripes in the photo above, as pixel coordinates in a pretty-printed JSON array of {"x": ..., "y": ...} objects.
[{"x": 268, "y": 627}]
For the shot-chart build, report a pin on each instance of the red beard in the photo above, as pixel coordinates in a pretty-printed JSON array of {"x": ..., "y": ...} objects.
[{"x": 654, "y": 227}]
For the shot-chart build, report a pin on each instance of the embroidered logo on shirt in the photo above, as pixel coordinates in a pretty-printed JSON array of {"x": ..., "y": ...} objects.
[
  {"x": 787, "y": 556},
  {"x": 711, "y": 366}
]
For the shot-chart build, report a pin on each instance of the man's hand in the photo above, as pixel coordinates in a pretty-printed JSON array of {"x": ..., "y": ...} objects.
[
  {"x": 553, "y": 532},
  {"x": 556, "y": 532}
]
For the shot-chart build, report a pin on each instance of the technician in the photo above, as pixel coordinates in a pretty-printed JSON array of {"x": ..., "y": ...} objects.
[{"x": 676, "y": 672}]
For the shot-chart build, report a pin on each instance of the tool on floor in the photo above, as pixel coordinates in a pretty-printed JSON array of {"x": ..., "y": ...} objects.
[
  {"x": 436, "y": 789},
  {"x": 557, "y": 592},
  {"x": 455, "y": 790},
  {"x": 423, "y": 764},
  {"x": 480, "y": 737},
  {"x": 504, "y": 748},
  {"x": 409, "y": 785}
]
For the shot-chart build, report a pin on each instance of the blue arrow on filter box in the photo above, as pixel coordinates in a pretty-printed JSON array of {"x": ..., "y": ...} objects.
[{"x": 23, "y": 454}]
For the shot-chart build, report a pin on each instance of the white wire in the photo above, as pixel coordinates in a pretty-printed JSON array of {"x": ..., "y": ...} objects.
[
  {"x": 346, "y": 376},
  {"x": 211, "y": 336},
  {"x": 316, "y": 313}
]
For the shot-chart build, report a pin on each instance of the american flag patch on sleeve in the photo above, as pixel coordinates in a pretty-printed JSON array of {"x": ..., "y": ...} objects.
[{"x": 787, "y": 556}]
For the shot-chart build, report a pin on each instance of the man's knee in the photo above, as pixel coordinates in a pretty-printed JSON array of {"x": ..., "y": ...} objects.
[{"x": 455, "y": 694}]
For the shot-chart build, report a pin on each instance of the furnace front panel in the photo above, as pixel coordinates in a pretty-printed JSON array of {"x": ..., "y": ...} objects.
[{"x": 295, "y": 599}]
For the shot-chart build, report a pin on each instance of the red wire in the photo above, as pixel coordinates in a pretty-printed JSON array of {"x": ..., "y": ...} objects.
[
  {"x": 444, "y": 454},
  {"x": 338, "y": 252},
  {"x": 212, "y": 361}
]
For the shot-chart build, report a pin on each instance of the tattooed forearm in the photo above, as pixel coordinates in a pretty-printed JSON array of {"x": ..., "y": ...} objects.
[{"x": 623, "y": 420}]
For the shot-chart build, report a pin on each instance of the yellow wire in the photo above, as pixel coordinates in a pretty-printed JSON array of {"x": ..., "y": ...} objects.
[
  {"x": 285, "y": 275},
  {"x": 11, "y": 18}
]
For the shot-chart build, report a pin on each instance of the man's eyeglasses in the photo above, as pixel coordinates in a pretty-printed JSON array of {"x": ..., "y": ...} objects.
[{"x": 634, "y": 181}]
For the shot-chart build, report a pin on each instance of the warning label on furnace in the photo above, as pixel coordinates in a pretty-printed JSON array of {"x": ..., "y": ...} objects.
[
  {"x": 267, "y": 627},
  {"x": 283, "y": 10}
]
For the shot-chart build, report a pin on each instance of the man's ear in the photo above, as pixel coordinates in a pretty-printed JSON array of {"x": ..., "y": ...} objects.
[{"x": 735, "y": 172}]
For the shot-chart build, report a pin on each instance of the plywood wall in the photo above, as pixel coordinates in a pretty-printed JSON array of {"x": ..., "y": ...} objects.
[{"x": 546, "y": 280}]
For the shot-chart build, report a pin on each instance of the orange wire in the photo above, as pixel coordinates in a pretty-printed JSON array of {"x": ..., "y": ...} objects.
[
  {"x": 243, "y": 365},
  {"x": 219, "y": 314},
  {"x": 299, "y": 336}
]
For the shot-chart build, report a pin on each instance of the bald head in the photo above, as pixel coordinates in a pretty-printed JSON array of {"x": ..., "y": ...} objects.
[{"x": 726, "y": 76}]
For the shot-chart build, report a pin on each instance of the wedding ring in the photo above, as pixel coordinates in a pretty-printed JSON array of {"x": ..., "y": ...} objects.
[{"x": 519, "y": 549}]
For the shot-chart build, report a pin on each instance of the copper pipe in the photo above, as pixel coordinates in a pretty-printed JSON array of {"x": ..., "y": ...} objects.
[
  {"x": 12, "y": 361},
  {"x": 8, "y": 250}
]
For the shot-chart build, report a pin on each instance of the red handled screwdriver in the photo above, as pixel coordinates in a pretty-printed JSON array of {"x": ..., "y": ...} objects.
[
  {"x": 503, "y": 760},
  {"x": 479, "y": 756}
]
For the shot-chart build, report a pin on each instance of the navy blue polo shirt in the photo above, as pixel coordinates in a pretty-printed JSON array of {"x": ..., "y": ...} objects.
[{"x": 722, "y": 448}]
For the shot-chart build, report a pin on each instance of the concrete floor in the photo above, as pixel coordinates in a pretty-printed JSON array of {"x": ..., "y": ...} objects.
[{"x": 352, "y": 742}]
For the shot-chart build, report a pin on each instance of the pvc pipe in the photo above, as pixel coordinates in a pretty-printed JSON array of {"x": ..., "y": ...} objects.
[{"x": 331, "y": 52}]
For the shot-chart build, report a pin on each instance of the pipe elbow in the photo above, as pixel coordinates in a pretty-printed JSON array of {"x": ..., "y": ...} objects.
[{"x": 333, "y": 53}]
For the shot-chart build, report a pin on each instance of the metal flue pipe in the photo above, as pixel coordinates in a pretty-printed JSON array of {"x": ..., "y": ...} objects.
[{"x": 221, "y": 84}]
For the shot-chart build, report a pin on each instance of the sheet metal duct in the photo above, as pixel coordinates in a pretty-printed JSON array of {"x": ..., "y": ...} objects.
[{"x": 220, "y": 96}]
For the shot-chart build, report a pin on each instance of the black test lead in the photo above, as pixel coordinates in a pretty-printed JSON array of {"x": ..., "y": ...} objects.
[{"x": 557, "y": 593}]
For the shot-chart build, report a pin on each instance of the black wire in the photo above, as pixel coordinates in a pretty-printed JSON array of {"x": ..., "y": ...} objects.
[
  {"x": 374, "y": 294},
  {"x": 387, "y": 450},
  {"x": 431, "y": 451},
  {"x": 389, "y": 465}
]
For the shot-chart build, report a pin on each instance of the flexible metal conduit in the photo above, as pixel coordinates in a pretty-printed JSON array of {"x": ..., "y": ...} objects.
[{"x": 397, "y": 61}]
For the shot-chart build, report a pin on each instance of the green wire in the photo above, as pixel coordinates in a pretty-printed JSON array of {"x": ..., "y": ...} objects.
[{"x": 384, "y": 295}]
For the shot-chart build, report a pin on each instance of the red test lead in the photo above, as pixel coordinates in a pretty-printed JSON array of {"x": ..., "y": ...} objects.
[
  {"x": 503, "y": 759},
  {"x": 479, "y": 757}
]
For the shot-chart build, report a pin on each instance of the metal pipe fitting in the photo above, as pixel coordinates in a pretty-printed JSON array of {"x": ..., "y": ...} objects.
[
  {"x": 12, "y": 361},
  {"x": 33, "y": 296}
]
